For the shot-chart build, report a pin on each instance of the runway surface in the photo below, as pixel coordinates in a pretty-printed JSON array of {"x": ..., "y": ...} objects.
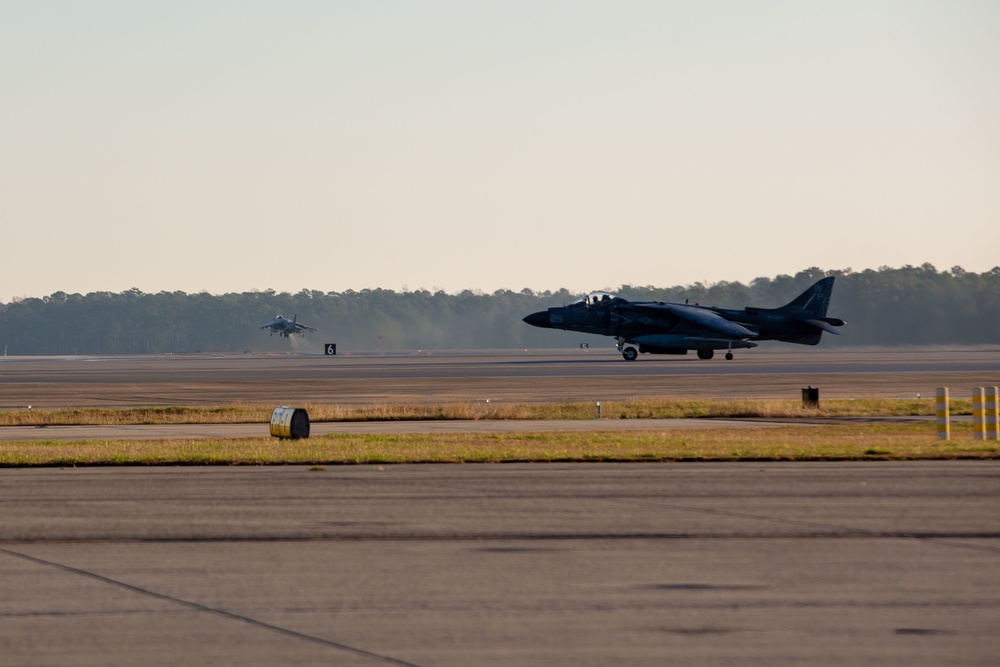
[
  {"x": 702, "y": 564},
  {"x": 208, "y": 431},
  {"x": 571, "y": 375},
  {"x": 694, "y": 564}
]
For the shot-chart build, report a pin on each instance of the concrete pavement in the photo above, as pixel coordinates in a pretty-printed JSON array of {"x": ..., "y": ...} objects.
[{"x": 588, "y": 564}]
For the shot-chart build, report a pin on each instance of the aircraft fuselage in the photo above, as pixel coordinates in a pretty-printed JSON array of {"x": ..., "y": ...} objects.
[{"x": 668, "y": 328}]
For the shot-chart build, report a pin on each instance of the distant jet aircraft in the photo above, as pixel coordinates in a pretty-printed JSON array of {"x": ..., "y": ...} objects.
[
  {"x": 661, "y": 327},
  {"x": 285, "y": 327}
]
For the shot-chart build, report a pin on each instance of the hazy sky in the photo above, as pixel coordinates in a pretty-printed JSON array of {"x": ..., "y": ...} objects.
[{"x": 241, "y": 145}]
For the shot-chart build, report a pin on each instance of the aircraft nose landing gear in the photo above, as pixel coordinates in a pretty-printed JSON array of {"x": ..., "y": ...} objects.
[{"x": 630, "y": 352}]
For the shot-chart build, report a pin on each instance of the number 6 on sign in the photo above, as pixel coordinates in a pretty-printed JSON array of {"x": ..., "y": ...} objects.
[{"x": 330, "y": 349}]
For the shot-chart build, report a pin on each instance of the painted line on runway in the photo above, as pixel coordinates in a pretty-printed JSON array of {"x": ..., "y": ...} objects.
[{"x": 211, "y": 610}]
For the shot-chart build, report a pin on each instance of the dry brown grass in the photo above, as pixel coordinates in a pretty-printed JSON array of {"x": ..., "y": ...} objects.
[
  {"x": 647, "y": 409},
  {"x": 792, "y": 443}
]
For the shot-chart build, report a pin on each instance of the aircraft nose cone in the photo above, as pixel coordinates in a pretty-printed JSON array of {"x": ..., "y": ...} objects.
[{"x": 539, "y": 319}]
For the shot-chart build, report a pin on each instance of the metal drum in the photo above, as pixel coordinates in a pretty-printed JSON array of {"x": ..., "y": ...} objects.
[{"x": 289, "y": 422}]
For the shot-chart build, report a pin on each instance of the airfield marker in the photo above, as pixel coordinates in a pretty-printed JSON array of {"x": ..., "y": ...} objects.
[
  {"x": 941, "y": 408},
  {"x": 992, "y": 413},
  {"x": 978, "y": 414}
]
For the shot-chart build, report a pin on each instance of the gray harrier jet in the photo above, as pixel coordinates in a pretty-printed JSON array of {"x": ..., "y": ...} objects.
[
  {"x": 285, "y": 327},
  {"x": 660, "y": 327}
]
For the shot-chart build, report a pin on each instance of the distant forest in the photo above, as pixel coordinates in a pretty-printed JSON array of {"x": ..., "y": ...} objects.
[{"x": 887, "y": 306}]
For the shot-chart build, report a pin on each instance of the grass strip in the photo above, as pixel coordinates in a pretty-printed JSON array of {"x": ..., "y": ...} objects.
[
  {"x": 654, "y": 408},
  {"x": 793, "y": 443}
]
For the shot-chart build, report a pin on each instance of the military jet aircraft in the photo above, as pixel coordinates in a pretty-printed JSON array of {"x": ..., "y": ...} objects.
[
  {"x": 285, "y": 327},
  {"x": 661, "y": 327}
]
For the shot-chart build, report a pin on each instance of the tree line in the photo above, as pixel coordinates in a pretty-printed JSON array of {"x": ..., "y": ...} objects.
[{"x": 888, "y": 306}]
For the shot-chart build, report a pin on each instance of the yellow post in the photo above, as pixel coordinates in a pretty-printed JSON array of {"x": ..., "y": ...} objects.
[
  {"x": 943, "y": 420},
  {"x": 978, "y": 414},
  {"x": 992, "y": 413}
]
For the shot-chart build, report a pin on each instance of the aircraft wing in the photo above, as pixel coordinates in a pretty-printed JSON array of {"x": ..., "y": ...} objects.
[
  {"x": 701, "y": 316},
  {"x": 302, "y": 327}
]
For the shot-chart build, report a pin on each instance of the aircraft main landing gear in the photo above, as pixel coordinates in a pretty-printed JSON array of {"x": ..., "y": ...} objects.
[
  {"x": 706, "y": 354},
  {"x": 630, "y": 353},
  {"x": 729, "y": 356}
]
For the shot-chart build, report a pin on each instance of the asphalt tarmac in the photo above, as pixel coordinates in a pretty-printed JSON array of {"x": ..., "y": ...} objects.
[
  {"x": 568, "y": 375},
  {"x": 588, "y": 564},
  {"x": 636, "y": 564},
  {"x": 209, "y": 431}
]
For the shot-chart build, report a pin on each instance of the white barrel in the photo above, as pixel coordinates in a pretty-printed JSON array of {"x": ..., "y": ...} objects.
[{"x": 289, "y": 422}]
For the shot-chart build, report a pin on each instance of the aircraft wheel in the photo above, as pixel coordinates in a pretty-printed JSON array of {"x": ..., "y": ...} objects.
[
  {"x": 630, "y": 353},
  {"x": 729, "y": 356},
  {"x": 706, "y": 354}
]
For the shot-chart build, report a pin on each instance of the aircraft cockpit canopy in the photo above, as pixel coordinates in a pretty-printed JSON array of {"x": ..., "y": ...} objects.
[{"x": 595, "y": 299}]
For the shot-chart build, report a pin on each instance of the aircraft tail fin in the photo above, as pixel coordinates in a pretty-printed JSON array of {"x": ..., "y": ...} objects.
[
  {"x": 809, "y": 308},
  {"x": 812, "y": 303}
]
